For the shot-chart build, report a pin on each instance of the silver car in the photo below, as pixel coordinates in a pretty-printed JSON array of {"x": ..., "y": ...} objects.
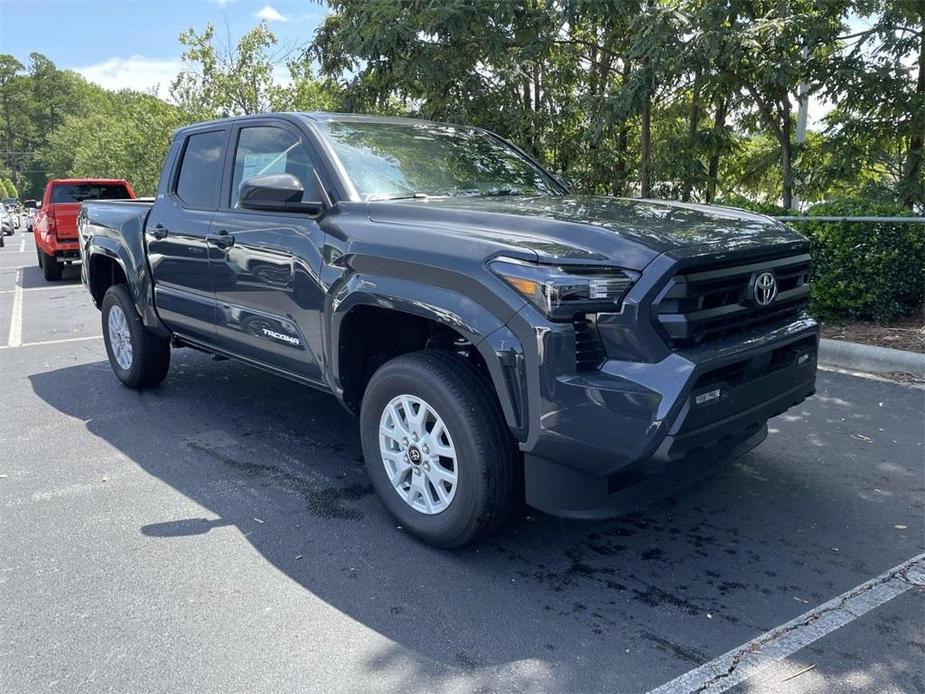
[{"x": 7, "y": 220}]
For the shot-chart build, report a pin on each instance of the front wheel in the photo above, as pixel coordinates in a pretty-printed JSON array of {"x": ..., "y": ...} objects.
[
  {"x": 437, "y": 449},
  {"x": 138, "y": 357}
]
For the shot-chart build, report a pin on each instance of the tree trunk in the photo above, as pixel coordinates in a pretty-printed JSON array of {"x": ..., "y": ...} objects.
[
  {"x": 692, "y": 137},
  {"x": 537, "y": 111},
  {"x": 719, "y": 122},
  {"x": 528, "y": 116},
  {"x": 786, "y": 154},
  {"x": 619, "y": 184},
  {"x": 912, "y": 178},
  {"x": 645, "y": 149}
]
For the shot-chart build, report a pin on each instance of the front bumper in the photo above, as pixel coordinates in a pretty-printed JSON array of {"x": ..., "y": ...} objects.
[{"x": 603, "y": 437}]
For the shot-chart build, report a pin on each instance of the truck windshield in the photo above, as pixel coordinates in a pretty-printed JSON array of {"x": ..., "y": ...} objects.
[
  {"x": 78, "y": 192},
  {"x": 395, "y": 160}
]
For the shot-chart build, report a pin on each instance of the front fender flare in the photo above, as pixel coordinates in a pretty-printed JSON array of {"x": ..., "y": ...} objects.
[{"x": 488, "y": 333}]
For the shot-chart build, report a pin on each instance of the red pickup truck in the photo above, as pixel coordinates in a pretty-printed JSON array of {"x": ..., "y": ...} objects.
[{"x": 55, "y": 224}]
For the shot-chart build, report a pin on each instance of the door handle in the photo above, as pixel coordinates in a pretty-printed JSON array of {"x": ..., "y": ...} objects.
[
  {"x": 222, "y": 239},
  {"x": 159, "y": 231}
]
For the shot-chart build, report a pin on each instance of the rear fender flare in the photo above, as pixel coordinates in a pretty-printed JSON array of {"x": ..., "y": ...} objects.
[{"x": 136, "y": 274}]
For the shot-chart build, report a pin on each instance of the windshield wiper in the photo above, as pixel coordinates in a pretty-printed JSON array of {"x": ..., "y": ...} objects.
[
  {"x": 492, "y": 193},
  {"x": 471, "y": 192},
  {"x": 410, "y": 196},
  {"x": 499, "y": 192}
]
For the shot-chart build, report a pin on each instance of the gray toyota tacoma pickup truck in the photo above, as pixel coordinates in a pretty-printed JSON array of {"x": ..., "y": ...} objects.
[{"x": 499, "y": 338}]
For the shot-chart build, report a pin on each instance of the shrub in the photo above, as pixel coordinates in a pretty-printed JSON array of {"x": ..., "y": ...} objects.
[{"x": 861, "y": 270}]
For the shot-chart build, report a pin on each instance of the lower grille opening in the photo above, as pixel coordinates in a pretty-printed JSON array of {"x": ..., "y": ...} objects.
[{"x": 755, "y": 367}]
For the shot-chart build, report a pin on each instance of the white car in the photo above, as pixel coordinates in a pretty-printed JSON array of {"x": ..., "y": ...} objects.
[{"x": 7, "y": 220}]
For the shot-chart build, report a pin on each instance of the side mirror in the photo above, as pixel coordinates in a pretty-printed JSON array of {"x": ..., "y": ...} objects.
[{"x": 276, "y": 193}]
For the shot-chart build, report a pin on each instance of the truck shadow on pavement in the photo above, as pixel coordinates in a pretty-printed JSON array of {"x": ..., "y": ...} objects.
[
  {"x": 32, "y": 277},
  {"x": 565, "y": 606}
]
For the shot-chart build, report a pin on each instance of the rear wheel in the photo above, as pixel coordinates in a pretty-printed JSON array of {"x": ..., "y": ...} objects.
[
  {"x": 437, "y": 448},
  {"x": 50, "y": 266},
  {"x": 138, "y": 357}
]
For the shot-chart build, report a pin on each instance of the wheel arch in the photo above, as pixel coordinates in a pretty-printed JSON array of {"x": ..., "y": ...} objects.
[
  {"x": 383, "y": 318},
  {"x": 108, "y": 262}
]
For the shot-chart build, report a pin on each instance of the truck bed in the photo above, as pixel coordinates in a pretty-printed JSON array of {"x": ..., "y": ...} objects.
[
  {"x": 116, "y": 229},
  {"x": 109, "y": 218}
]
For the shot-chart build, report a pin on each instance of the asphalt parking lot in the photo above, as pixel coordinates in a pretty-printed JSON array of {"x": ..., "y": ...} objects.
[{"x": 218, "y": 534}]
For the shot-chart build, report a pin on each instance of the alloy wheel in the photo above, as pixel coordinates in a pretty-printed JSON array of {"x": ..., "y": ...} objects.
[{"x": 418, "y": 454}]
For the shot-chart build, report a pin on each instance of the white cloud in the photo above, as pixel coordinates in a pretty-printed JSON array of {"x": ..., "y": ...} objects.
[
  {"x": 270, "y": 14},
  {"x": 137, "y": 72}
]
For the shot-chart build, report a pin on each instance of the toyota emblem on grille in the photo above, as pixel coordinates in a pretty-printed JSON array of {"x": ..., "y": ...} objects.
[{"x": 765, "y": 288}]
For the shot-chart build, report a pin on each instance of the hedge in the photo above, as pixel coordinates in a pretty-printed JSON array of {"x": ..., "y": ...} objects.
[{"x": 861, "y": 270}]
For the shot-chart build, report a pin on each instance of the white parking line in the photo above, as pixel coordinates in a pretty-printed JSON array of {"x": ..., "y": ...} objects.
[
  {"x": 22, "y": 245},
  {"x": 39, "y": 289},
  {"x": 741, "y": 663},
  {"x": 15, "y": 337},
  {"x": 53, "y": 342}
]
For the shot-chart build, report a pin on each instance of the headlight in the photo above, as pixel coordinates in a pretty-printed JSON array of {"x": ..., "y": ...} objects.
[{"x": 561, "y": 291}]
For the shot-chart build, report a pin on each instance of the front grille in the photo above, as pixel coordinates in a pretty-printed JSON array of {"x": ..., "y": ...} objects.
[
  {"x": 589, "y": 352},
  {"x": 713, "y": 301}
]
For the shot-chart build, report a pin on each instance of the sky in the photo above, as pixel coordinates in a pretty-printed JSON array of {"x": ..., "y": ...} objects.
[{"x": 133, "y": 43}]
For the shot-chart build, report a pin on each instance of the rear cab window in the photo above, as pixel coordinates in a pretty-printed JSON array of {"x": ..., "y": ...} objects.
[
  {"x": 200, "y": 169},
  {"x": 78, "y": 192}
]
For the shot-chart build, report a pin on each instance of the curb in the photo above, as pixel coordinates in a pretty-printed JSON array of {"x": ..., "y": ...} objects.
[{"x": 858, "y": 357}]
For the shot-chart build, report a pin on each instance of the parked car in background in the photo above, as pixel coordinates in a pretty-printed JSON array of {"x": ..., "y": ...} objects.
[
  {"x": 55, "y": 223},
  {"x": 30, "y": 206},
  {"x": 7, "y": 220},
  {"x": 488, "y": 327}
]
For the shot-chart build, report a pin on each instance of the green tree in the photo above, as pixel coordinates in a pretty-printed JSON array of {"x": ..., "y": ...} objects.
[
  {"x": 875, "y": 133},
  {"x": 221, "y": 80},
  {"x": 127, "y": 137},
  {"x": 13, "y": 113}
]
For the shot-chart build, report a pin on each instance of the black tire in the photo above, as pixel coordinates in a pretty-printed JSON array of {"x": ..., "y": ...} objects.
[
  {"x": 50, "y": 267},
  {"x": 40, "y": 256},
  {"x": 488, "y": 463},
  {"x": 150, "y": 354}
]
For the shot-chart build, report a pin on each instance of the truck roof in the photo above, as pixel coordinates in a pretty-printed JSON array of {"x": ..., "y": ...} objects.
[
  {"x": 86, "y": 180},
  {"x": 319, "y": 116}
]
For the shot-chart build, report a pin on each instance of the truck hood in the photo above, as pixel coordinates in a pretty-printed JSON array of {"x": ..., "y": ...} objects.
[{"x": 630, "y": 232}]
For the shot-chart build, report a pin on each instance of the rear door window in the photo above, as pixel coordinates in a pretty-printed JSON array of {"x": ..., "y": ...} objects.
[
  {"x": 78, "y": 192},
  {"x": 201, "y": 169}
]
